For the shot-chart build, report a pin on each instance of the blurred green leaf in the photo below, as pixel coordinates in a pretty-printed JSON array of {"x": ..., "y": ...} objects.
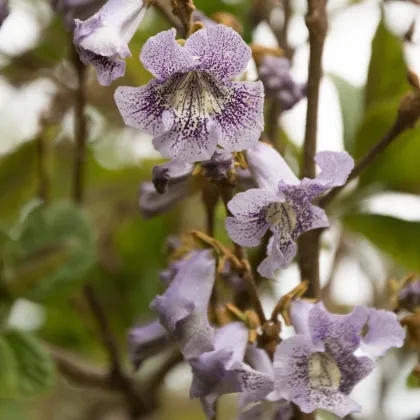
[
  {"x": 397, "y": 167},
  {"x": 387, "y": 76},
  {"x": 351, "y": 103},
  {"x": 30, "y": 365},
  {"x": 413, "y": 381},
  {"x": 397, "y": 238},
  {"x": 8, "y": 377},
  {"x": 17, "y": 178},
  {"x": 58, "y": 250}
]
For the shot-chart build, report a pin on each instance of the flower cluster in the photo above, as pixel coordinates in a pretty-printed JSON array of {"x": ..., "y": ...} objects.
[
  {"x": 274, "y": 72},
  {"x": 282, "y": 204},
  {"x": 199, "y": 116}
]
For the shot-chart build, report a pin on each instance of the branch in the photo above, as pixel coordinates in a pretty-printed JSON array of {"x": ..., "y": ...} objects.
[
  {"x": 165, "y": 10},
  {"x": 116, "y": 374},
  {"x": 226, "y": 192},
  {"x": 317, "y": 23},
  {"x": 396, "y": 129}
]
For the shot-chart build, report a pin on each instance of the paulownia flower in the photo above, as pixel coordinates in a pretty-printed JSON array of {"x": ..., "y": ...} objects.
[
  {"x": 222, "y": 370},
  {"x": 173, "y": 181},
  {"x": 282, "y": 203},
  {"x": 102, "y": 40},
  {"x": 317, "y": 368},
  {"x": 182, "y": 308},
  {"x": 192, "y": 106},
  {"x": 272, "y": 407},
  {"x": 144, "y": 341},
  {"x": 75, "y": 9},
  {"x": 409, "y": 296},
  {"x": 278, "y": 84}
]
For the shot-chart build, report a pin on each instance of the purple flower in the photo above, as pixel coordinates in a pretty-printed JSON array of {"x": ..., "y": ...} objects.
[
  {"x": 182, "y": 308},
  {"x": 191, "y": 106},
  {"x": 218, "y": 166},
  {"x": 4, "y": 10},
  {"x": 317, "y": 368},
  {"x": 104, "y": 37},
  {"x": 173, "y": 181},
  {"x": 282, "y": 203},
  {"x": 273, "y": 407},
  {"x": 222, "y": 370},
  {"x": 409, "y": 295},
  {"x": 144, "y": 341},
  {"x": 278, "y": 84}
]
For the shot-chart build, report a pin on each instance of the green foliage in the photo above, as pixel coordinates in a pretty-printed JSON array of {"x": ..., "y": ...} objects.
[
  {"x": 396, "y": 167},
  {"x": 351, "y": 103},
  {"x": 387, "y": 77},
  {"x": 57, "y": 249},
  {"x": 17, "y": 180},
  {"x": 397, "y": 238},
  {"x": 26, "y": 369},
  {"x": 413, "y": 381}
]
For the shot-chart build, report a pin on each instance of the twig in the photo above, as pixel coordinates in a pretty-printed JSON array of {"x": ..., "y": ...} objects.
[
  {"x": 80, "y": 129},
  {"x": 117, "y": 376},
  {"x": 43, "y": 180},
  {"x": 226, "y": 193},
  {"x": 317, "y": 23},
  {"x": 165, "y": 10},
  {"x": 397, "y": 128}
]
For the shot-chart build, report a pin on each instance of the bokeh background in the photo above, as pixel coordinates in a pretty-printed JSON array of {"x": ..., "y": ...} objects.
[{"x": 48, "y": 253}]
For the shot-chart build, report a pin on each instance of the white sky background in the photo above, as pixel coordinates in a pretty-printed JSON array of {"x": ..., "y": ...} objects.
[{"x": 347, "y": 54}]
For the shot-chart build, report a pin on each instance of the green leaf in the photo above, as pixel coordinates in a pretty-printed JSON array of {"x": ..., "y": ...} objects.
[
  {"x": 32, "y": 366},
  {"x": 413, "y": 381},
  {"x": 397, "y": 167},
  {"x": 17, "y": 178},
  {"x": 351, "y": 104},
  {"x": 8, "y": 377},
  {"x": 387, "y": 76},
  {"x": 58, "y": 249},
  {"x": 395, "y": 237}
]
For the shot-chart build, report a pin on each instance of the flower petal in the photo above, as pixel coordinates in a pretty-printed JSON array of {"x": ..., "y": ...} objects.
[
  {"x": 145, "y": 341},
  {"x": 353, "y": 370},
  {"x": 142, "y": 107},
  {"x": 218, "y": 167},
  {"x": 249, "y": 204},
  {"x": 241, "y": 120},
  {"x": 268, "y": 167},
  {"x": 152, "y": 203},
  {"x": 340, "y": 333},
  {"x": 163, "y": 56},
  {"x": 169, "y": 173},
  {"x": 182, "y": 308},
  {"x": 292, "y": 380},
  {"x": 107, "y": 68},
  {"x": 246, "y": 232},
  {"x": 335, "y": 168},
  {"x": 280, "y": 253},
  {"x": 299, "y": 314},
  {"x": 384, "y": 332},
  {"x": 191, "y": 138},
  {"x": 219, "y": 50},
  {"x": 222, "y": 370}
]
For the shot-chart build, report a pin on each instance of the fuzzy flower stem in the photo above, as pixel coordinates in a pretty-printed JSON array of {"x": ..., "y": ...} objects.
[
  {"x": 226, "y": 193},
  {"x": 43, "y": 178},
  {"x": 117, "y": 376},
  {"x": 317, "y": 23},
  {"x": 166, "y": 11},
  {"x": 396, "y": 129},
  {"x": 183, "y": 9}
]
